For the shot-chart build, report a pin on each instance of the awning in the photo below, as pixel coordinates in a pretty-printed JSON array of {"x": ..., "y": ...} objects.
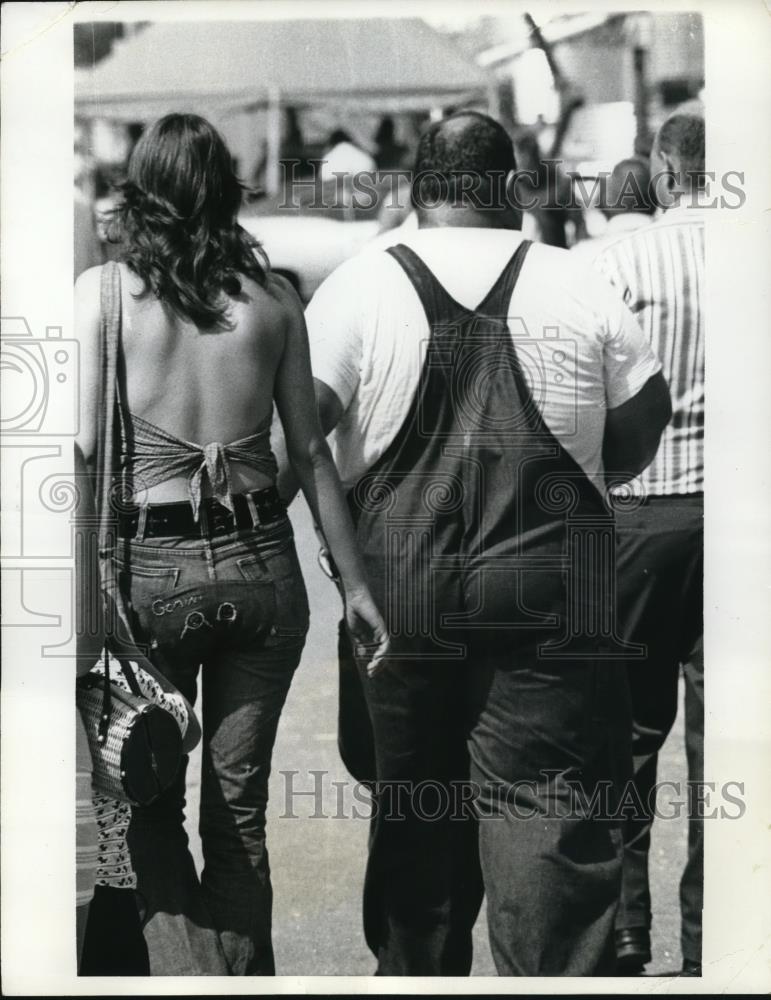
[{"x": 378, "y": 63}]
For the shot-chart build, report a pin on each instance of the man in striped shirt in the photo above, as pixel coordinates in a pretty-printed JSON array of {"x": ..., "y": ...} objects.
[{"x": 659, "y": 270}]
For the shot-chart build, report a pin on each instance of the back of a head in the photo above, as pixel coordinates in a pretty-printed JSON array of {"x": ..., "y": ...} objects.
[
  {"x": 681, "y": 142},
  {"x": 629, "y": 188},
  {"x": 178, "y": 218},
  {"x": 183, "y": 164},
  {"x": 466, "y": 151}
]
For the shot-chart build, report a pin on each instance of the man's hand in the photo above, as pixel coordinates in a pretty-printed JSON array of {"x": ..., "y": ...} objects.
[{"x": 367, "y": 629}]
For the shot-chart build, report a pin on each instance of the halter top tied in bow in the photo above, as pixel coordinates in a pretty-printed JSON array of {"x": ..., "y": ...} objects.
[{"x": 150, "y": 455}]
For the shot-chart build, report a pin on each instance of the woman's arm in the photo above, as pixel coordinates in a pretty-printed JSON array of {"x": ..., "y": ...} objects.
[{"x": 311, "y": 459}]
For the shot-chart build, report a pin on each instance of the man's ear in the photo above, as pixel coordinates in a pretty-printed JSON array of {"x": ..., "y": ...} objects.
[
  {"x": 664, "y": 177},
  {"x": 670, "y": 163}
]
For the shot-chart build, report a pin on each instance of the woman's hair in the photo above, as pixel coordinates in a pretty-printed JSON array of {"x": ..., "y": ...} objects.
[{"x": 177, "y": 219}]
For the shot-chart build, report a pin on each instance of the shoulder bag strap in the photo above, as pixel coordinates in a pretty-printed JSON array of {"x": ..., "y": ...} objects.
[
  {"x": 110, "y": 312},
  {"x": 118, "y": 633},
  {"x": 108, "y": 367}
]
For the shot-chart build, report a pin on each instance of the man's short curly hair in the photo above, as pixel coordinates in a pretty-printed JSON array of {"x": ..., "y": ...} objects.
[
  {"x": 465, "y": 150},
  {"x": 683, "y": 136}
]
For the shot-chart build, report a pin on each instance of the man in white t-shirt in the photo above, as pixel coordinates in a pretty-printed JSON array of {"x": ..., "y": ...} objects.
[{"x": 480, "y": 388}]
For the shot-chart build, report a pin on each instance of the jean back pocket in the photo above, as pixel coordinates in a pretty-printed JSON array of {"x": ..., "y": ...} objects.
[{"x": 199, "y": 620}]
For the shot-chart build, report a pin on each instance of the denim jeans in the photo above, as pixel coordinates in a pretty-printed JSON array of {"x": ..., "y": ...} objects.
[
  {"x": 505, "y": 742},
  {"x": 236, "y": 607},
  {"x": 550, "y": 751}
]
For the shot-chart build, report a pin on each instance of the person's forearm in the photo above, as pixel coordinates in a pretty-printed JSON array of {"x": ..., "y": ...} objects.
[
  {"x": 321, "y": 487},
  {"x": 330, "y": 411}
]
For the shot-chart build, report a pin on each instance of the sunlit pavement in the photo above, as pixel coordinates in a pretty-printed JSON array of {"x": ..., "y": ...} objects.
[{"x": 317, "y": 853}]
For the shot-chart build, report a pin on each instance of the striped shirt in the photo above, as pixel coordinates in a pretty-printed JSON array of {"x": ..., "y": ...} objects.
[{"x": 660, "y": 272}]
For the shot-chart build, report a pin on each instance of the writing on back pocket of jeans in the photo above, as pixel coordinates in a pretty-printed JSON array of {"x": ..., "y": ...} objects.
[{"x": 165, "y": 606}]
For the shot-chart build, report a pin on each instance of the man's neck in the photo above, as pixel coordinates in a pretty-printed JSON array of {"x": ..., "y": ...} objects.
[{"x": 462, "y": 218}]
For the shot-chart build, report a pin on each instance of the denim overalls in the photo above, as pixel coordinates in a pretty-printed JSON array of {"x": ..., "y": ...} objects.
[{"x": 499, "y": 698}]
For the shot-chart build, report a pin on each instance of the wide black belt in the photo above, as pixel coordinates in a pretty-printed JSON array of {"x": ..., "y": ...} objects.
[{"x": 255, "y": 509}]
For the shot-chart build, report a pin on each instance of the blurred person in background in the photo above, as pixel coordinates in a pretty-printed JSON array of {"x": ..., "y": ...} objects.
[
  {"x": 344, "y": 156},
  {"x": 389, "y": 153},
  {"x": 88, "y": 251},
  {"x": 341, "y": 162},
  {"x": 210, "y": 339},
  {"x": 627, "y": 204},
  {"x": 545, "y": 193},
  {"x": 107, "y": 181},
  {"x": 88, "y": 248},
  {"x": 293, "y": 150},
  {"x": 443, "y": 431},
  {"x": 659, "y": 272}
]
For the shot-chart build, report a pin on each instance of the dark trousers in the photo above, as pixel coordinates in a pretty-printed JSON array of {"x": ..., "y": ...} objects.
[
  {"x": 235, "y": 611},
  {"x": 423, "y": 886},
  {"x": 479, "y": 768},
  {"x": 113, "y": 944},
  {"x": 660, "y": 570}
]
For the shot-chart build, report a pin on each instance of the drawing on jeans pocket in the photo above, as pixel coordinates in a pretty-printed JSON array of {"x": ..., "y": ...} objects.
[{"x": 209, "y": 614}]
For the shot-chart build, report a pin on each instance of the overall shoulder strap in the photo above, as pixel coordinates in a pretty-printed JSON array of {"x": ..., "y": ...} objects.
[
  {"x": 439, "y": 306},
  {"x": 498, "y": 298}
]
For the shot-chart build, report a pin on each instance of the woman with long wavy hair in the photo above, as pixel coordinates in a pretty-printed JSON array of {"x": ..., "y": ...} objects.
[{"x": 205, "y": 555}]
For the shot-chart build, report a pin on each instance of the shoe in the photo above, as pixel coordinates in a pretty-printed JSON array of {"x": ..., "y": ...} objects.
[
  {"x": 633, "y": 950},
  {"x": 691, "y": 968}
]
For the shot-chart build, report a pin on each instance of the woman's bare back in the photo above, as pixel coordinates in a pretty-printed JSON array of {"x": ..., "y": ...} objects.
[{"x": 203, "y": 385}]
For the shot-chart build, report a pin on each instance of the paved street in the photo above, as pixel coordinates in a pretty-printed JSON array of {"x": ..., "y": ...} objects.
[{"x": 318, "y": 861}]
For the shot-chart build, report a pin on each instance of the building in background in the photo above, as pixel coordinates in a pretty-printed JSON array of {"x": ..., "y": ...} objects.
[{"x": 628, "y": 69}]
